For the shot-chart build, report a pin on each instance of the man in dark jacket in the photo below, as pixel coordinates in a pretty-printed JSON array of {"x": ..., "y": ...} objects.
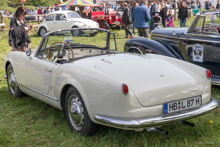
[
  {"x": 126, "y": 18},
  {"x": 141, "y": 16}
]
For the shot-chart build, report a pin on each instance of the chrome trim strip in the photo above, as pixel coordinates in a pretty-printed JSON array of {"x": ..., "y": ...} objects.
[
  {"x": 166, "y": 36},
  {"x": 155, "y": 121},
  {"x": 216, "y": 83},
  {"x": 40, "y": 93}
]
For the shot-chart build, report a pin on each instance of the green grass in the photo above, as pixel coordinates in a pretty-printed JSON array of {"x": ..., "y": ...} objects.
[{"x": 29, "y": 122}]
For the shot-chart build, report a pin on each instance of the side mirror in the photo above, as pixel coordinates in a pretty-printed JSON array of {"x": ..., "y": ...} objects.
[{"x": 28, "y": 52}]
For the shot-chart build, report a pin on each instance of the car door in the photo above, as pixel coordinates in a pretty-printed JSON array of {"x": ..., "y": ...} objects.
[
  {"x": 203, "y": 45},
  {"x": 61, "y": 22},
  {"x": 38, "y": 74},
  {"x": 49, "y": 21}
]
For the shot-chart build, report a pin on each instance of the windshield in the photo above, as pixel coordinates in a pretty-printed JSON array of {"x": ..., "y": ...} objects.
[
  {"x": 83, "y": 42},
  {"x": 72, "y": 15}
]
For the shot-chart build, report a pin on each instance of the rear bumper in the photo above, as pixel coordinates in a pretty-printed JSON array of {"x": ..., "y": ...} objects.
[
  {"x": 215, "y": 80},
  {"x": 155, "y": 121}
]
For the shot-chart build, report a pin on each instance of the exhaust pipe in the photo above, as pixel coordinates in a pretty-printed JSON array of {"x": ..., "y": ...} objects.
[
  {"x": 188, "y": 123},
  {"x": 162, "y": 131},
  {"x": 157, "y": 129}
]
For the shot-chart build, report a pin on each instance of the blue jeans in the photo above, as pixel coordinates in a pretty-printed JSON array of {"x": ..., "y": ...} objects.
[
  {"x": 183, "y": 22},
  {"x": 133, "y": 27}
]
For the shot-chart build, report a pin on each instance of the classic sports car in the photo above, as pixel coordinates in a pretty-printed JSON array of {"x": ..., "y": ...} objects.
[
  {"x": 198, "y": 44},
  {"x": 59, "y": 20},
  {"x": 94, "y": 85}
]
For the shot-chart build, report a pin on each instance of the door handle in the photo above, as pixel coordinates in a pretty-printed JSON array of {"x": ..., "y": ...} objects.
[{"x": 50, "y": 70}]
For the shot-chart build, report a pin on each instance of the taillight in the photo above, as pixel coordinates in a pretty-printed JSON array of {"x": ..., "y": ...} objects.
[
  {"x": 125, "y": 89},
  {"x": 208, "y": 73}
]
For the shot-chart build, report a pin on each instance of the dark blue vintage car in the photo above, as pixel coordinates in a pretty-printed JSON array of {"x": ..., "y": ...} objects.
[{"x": 198, "y": 44}]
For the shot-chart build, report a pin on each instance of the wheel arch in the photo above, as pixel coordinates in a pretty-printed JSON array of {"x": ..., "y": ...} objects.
[
  {"x": 63, "y": 95},
  {"x": 72, "y": 83},
  {"x": 6, "y": 65},
  {"x": 148, "y": 44},
  {"x": 43, "y": 25}
]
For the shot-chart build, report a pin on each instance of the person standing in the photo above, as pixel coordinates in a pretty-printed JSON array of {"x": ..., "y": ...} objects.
[
  {"x": 141, "y": 16},
  {"x": 152, "y": 14},
  {"x": 18, "y": 34},
  {"x": 126, "y": 18},
  {"x": 163, "y": 14},
  {"x": 52, "y": 9},
  {"x": 157, "y": 8},
  {"x": 170, "y": 19},
  {"x": 48, "y": 10},
  {"x": 208, "y": 5},
  {"x": 105, "y": 9},
  {"x": 133, "y": 22},
  {"x": 218, "y": 5},
  {"x": 183, "y": 14}
]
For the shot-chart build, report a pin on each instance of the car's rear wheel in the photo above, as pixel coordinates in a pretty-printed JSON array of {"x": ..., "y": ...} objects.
[
  {"x": 42, "y": 31},
  {"x": 77, "y": 115},
  {"x": 76, "y": 32},
  {"x": 12, "y": 83},
  {"x": 104, "y": 25}
]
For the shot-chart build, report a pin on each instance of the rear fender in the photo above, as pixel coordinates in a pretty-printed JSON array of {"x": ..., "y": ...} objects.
[
  {"x": 173, "y": 49},
  {"x": 149, "y": 46}
]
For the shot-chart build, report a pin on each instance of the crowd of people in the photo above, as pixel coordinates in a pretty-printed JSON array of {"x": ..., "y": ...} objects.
[{"x": 143, "y": 15}]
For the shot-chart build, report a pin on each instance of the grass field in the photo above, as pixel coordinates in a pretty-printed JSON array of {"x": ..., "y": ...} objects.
[{"x": 29, "y": 122}]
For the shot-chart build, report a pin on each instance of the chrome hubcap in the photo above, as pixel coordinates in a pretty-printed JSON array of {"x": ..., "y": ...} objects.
[
  {"x": 75, "y": 32},
  {"x": 76, "y": 112},
  {"x": 43, "y": 32},
  {"x": 12, "y": 82}
]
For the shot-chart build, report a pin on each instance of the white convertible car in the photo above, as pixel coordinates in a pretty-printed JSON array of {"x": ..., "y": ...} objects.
[
  {"x": 59, "y": 20},
  {"x": 95, "y": 85}
]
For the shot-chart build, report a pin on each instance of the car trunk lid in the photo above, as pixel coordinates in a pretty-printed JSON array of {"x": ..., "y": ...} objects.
[{"x": 154, "y": 81}]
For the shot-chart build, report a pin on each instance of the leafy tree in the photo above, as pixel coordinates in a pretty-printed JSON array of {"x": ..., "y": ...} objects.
[{"x": 3, "y": 4}]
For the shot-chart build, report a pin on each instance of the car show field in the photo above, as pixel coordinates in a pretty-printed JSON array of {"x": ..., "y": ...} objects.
[{"x": 29, "y": 122}]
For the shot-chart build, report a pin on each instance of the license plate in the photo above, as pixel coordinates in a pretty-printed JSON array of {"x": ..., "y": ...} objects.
[{"x": 184, "y": 104}]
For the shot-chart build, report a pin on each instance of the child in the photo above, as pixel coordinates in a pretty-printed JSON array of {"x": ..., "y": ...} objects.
[{"x": 169, "y": 19}]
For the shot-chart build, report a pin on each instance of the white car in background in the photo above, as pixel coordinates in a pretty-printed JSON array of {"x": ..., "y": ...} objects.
[{"x": 60, "y": 20}]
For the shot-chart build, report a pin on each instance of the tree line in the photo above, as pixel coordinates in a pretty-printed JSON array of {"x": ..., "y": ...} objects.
[{"x": 15, "y": 3}]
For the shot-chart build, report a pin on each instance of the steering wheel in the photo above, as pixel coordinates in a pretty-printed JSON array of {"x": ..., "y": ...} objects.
[
  {"x": 63, "y": 43},
  {"x": 211, "y": 27}
]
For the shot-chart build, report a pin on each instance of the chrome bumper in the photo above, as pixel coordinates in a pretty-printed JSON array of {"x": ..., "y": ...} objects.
[{"x": 157, "y": 121}]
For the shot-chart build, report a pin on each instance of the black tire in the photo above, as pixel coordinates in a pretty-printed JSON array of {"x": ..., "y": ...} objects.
[
  {"x": 42, "y": 31},
  {"x": 76, "y": 32},
  {"x": 93, "y": 34},
  {"x": 12, "y": 83},
  {"x": 82, "y": 123},
  {"x": 104, "y": 25}
]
